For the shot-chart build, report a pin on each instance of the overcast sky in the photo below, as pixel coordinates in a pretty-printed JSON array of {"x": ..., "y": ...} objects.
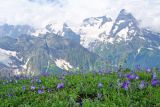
[{"x": 41, "y": 12}]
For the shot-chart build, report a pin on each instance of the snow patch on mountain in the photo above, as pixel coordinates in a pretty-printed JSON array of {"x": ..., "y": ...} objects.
[
  {"x": 8, "y": 52},
  {"x": 121, "y": 21},
  {"x": 139, "y": 50},
  {"x": 141, "y": 37},
  {"x": 150, "y": 49},
  {"x": 25, "y": 65},
  {"x": 6, "y": 56},
  {"x": 63, "y": 64},
  {"x": 39, "y": 32},
  {"x": 115, "y": 29},
  {"x": 123, "y": 33}
]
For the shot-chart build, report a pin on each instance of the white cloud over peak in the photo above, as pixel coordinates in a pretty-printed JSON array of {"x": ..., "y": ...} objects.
[{"x": 41, "y": 12}]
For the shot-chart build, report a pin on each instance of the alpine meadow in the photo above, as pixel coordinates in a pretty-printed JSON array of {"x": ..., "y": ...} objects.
[{"x": 79, "y": 53}]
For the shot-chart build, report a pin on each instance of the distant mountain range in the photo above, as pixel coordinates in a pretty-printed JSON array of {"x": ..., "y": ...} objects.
[{"x": 99, "y": 41}]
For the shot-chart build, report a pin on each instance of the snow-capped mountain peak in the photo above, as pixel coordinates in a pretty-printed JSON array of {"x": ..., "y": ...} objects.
[
  {"x": 92, "y": 29},
  {"x": 125, "y": 20},
  {"x": 106, "y": 30},
  {"x": 125, "y": 26},
  {"x": 49, "y": 28}
]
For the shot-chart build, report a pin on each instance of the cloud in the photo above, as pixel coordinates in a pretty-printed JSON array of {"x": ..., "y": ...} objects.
[
  {"x": 27, "y": 12},
  {"x": 41, "y": 12}
]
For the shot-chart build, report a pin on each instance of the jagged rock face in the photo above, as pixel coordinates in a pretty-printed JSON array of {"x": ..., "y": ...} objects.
[
  {"x": 125, "y": 21},
  {"x": 122, "y": 41},
  {"x": 69, "y": 34}
]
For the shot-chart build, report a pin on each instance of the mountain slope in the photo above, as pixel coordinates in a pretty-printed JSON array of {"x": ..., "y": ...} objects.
[{"x": 39, "y": 54}]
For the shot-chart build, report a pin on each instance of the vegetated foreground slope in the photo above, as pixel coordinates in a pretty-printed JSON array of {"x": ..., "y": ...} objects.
[{"x": 103, "y": 89}]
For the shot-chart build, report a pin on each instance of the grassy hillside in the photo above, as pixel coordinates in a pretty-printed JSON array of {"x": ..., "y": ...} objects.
[{"x": 123, "y": 88}]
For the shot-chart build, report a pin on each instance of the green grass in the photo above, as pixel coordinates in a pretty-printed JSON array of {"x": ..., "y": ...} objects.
[{"x": 84, "y": 87}]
